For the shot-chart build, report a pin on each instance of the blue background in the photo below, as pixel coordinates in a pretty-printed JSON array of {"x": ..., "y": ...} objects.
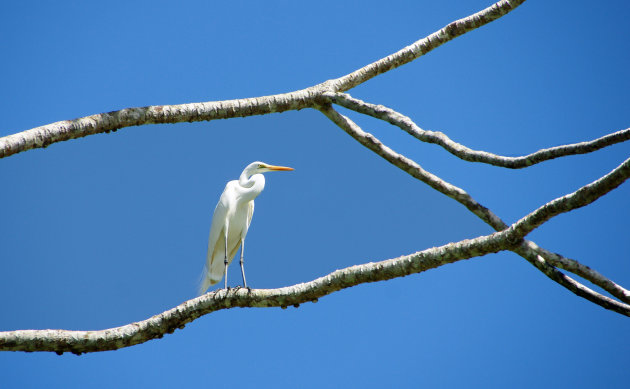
[{"x": 110, "y": 229}]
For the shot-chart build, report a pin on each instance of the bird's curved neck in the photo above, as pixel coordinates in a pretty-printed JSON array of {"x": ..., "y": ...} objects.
[
  {"x": 251, "y": 186},
  {"x": 246, "y": 180}
]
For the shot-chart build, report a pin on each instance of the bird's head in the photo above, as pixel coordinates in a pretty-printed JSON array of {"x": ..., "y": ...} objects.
[{"x": 261, "y": 167}]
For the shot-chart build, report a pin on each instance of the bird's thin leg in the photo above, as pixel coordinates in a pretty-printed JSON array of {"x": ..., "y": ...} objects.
[
  {"x": 225, "y": 262},
  {"x": 243, "y": 267}
]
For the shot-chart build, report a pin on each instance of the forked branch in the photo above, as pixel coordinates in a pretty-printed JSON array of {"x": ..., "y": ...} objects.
[
  {"x": 569, "y": 283},
  {"x": 530, "y": 251},
  {"x": 527, "y": 249},
  {"x": 412, "y": 168},
  {"x": 195, "y": 112},
  {"x": 406, "y": 124},
  {"x": 583, "y": 271}
]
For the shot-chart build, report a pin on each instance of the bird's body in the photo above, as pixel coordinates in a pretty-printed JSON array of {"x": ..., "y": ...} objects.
[
  {"x": 231, "y": 220},
  {"x": 235, "y": 211}
]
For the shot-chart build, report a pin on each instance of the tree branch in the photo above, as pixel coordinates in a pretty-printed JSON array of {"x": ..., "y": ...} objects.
[
  {"x": 412, "y": 168},
  {"x": 517, "y": 232},
  {"x": 158, "y": 114},
  {"x": 425, "y": 45},
  {"x": 78, "y": 342},
  {"x": 583, "y": 271},
  {"x": 569, "y": 283},
  {"x": 581, "y": 197},
  {"x": 405, "y": 123},
  {"x": 193, "y": 112}
]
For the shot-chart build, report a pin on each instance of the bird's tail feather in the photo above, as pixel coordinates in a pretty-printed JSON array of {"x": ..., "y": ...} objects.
[{"x": 208, "y": 279}]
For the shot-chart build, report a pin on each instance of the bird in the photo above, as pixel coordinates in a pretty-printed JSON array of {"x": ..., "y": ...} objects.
[{"x": 230, "y": 222}]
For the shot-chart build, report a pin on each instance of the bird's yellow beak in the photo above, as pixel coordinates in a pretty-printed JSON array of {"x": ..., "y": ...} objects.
[{"x": 279, "y": 168}]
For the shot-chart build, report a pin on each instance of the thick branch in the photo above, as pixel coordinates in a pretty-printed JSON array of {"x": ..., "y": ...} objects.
[
  {"x": 193, "y": 112},
  {"x": 465, "y": 153},
  {"x": 155, "y": 327}
]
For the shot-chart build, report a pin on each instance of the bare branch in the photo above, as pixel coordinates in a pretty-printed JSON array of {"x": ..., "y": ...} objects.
[
  {"x": 583, "y": 271},
  {"x": 581, "y": 197},
  {"x": 577, "y": 288},
  {"x": 526, "y": 250},
  {"x": 465, "y": 153},
  {"x": 412, "y": 168},
  {"x": 112, "y": 121},
  {"x": 194, "y": 112},
  {"x": 425, "y": 45},
  {"x": 155, "y": 327}
]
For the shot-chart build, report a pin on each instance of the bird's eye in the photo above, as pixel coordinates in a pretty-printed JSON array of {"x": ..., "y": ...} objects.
[{"x": 261, "y": 166}]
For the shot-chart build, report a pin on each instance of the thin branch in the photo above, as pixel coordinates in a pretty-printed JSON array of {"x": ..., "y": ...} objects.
[
  {"x": 583, "y": 271},
  {"x": 425, "y": 45},
  {"x": 155, "y": 327},
  {"x": 408, "y": 125},
  {"x": 581, "y": 197},
  {"x": 515, "y": 234},
  {"x": 465, "y": 153},
  {"x": 111, "y": 121},
  {"x": 412, "y": 168},
  {"x": 569, "y": 283}
]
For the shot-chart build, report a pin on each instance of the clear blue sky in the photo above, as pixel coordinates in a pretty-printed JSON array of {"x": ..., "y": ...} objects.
[{"x": 110, "y": 229}]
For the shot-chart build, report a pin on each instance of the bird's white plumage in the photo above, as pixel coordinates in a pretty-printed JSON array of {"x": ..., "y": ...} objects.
[{"x": 231, "y": 220}]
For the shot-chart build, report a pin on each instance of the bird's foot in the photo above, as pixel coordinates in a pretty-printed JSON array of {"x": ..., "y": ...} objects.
[{"x": 249, "y": 290}]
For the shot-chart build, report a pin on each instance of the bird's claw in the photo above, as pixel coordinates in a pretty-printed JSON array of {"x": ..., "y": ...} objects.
[{"x": 249, "y": 290}]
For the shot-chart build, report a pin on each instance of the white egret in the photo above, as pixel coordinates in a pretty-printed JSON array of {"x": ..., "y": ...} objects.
[{"x": 231, "y": 220}]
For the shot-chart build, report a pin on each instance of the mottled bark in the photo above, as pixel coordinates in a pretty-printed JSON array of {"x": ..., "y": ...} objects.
[{"x": 193, "y": 112}]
